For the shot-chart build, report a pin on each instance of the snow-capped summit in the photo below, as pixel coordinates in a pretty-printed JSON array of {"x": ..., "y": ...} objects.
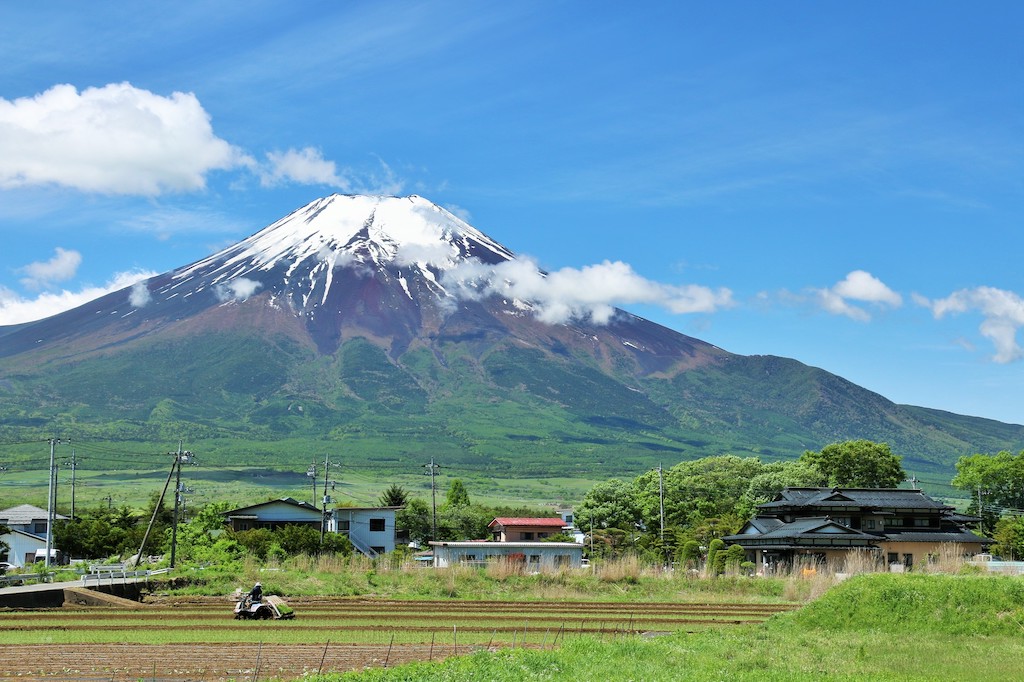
[{"x": 348, "y": 229}]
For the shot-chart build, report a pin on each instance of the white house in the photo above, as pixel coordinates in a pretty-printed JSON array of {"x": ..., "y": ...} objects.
[
  {"x": 28, "y": 519},
  {"x": 370, "y": 529},
  {"x": 535, "y": 556},
  {"x": 23, "y": 547}
]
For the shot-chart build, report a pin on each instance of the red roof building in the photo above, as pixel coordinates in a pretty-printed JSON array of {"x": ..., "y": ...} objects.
[{"x": 511, "y": 529}]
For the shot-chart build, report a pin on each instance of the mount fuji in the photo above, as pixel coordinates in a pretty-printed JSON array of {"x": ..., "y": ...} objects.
[{"x": 391, "y": 327}]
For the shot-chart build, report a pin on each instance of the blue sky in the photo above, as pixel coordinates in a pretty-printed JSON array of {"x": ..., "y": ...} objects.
[{"x": 846, "y": 177}]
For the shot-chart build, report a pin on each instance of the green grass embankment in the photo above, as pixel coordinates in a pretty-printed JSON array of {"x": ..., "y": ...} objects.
[{"x": 873, "y": 627}]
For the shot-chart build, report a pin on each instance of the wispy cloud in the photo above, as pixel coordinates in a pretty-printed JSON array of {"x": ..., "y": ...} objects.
[
  {"x": 45, "y": 274},
  {"x": 238, "y": 289},
  {"x": 1002, "y": 310},
  {"x": 589, "y": 293},
  {"x": 16, "y": 309}
]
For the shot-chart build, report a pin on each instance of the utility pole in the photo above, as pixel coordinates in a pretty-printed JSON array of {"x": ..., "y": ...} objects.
[
  {"x": 661, "y": 500},
  {"x": 156, "y": 509},
  {"x": 311, "y": 473},
  {"x": 51, "y": 501},
  {"x": 327, "y": 500},
  {"x": 432, "y": 471},
  {"x": 178, "y": 459},
  {"x": 74, "y": 465}
]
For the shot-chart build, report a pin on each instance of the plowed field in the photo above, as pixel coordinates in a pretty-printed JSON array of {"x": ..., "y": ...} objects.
[{"x": 199, "y": 640}]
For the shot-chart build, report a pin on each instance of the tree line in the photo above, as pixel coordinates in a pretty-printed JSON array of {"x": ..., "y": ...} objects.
[{"x": 660, "y": 514}]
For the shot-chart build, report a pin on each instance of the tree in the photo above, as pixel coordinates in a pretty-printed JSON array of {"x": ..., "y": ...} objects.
[
  {"x": 857, "y": 464},
  {"x": 734, "y": 556},
  {"x": 394, "y": 496},
  {"x": 457, "y": 495},
  {"x": 716, "y": 547},
  {"x": 690, "y": 554},
  {"x": 611, "y": 504},
  {"x": 1009, "y": 537},
  {"x": 998, "y": 478},
  {"x": 415, "y": 520},
  {"x": 770, "y": 482}
]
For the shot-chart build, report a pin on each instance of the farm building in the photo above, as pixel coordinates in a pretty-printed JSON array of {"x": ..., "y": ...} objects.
[
  {"x": 371, "y": 529},
  {"x": 901, "y": 528},
  {"x": 519, "y": 529},
  {"x": 536, "y": 556},
  {"x": 274, "y": 514}
]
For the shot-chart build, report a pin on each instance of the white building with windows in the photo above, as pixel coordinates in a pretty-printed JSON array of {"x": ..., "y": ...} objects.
[
  {"x": 370, "y": 529},
  {"x": 535, "y": 556}
]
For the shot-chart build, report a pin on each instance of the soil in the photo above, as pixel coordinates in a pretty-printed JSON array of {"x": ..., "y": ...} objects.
[{"x": 246, "y": 659}]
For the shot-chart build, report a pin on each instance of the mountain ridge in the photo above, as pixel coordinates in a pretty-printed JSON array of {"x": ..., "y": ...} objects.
[{"x": 358, "y": 318}]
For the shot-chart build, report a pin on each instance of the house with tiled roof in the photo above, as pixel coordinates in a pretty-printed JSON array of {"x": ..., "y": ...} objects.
[
  {"x": 274, "y": 514},
  {"x": 898, "y": 527},
  {"x": 28, "y": 519},
  {"x": 523, "y": 529}
]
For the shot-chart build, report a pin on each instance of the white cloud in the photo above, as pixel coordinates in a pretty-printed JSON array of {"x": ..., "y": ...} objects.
[
  {"x": 1003, "y": 312},
  {"x": 116, "y": 139},
  {"x": 44, "y": 274},
  {"x": 589, "y": 293},
  {"x": 858, "y": 286},
  {"x": 139, "y": 295},
  {"x": 238, "y": 289},
  {"x": 863, "y": 286},
  {"x": 304, "y": 166},
  {"x": 308, "y": 166},
  {"x": 15, "y": 309}
]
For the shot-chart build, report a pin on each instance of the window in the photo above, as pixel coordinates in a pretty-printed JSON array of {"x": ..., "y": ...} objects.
[
  {"x": 561, "y": 560},
  {"x": 379, "y": 550},
  {"x": 893, "y": 521},
  {"x": 894, "y": 558},
  {"x": 39, "y": 528},
  {"x": 376, "y": 525},
  {"x": 527, "y": 536},
  {"x": 344, "y": 525},
  {"x": 534, "y": 560},
  {"x": 869, "y": 524},
  {"x": 922, "y": 523},
  {"x": 908, "y": 561}
]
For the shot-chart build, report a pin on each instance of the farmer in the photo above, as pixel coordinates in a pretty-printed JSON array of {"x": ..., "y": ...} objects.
[{"x": 256, "y": 593}]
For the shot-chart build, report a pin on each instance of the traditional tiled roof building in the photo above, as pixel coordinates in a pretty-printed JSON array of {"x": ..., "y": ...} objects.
[{"x": 899, "y": 527}]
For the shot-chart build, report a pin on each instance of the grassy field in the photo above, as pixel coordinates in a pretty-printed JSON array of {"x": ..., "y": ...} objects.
[
  {"x": 621, "y": 621},
  {"x": 872, "y": 627}
]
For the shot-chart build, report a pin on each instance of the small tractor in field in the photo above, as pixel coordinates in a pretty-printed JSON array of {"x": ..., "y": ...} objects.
[{"x": 264, "y": 609}]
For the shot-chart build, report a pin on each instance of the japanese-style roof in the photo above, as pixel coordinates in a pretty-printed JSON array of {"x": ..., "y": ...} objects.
[
  {"x": 814, "y": 528},
  {"x": 241, "y": 511},
  {"x": 24, "y": 514},
  {"x": 891, "y": 498},
  {"x": 957, "y": 517},
  {"x": 965, "y": 537},
  {"x": 507, "y": 521}
]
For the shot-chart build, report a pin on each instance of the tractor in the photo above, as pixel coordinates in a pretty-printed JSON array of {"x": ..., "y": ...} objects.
[{"x": 266, "y": 608}]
